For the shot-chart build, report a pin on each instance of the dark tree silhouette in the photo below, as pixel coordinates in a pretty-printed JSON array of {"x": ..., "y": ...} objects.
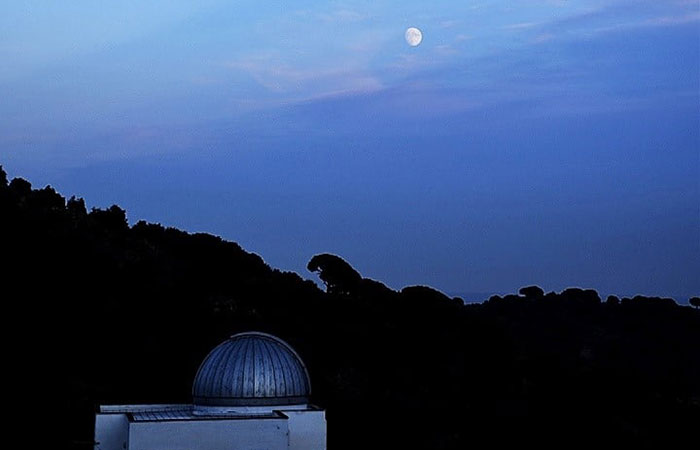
[
  {"x": 76, "y": 207},
  {"x": 113, "y": 218},
  {"x": 425, "y": 292},
  {"x": 48, "y": 199},
  {"x": 21, "y": 186},
  {"x": 694, "y": 301},
  {"x": 338, "y": 276},
  {"x": 3, "y": 178},
  {"x": 532, "y": 292},
  {"x": 128, "y": 313},
  {"x": 587, "y": 298},
  {"x": 612, "y": 300}
]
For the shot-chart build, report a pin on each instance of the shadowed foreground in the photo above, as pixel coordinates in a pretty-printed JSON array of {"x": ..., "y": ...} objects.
[{"x": 108, "y": 313}]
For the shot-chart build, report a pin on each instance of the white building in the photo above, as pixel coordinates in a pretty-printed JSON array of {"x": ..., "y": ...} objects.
[{"x": 250, "y": 393}]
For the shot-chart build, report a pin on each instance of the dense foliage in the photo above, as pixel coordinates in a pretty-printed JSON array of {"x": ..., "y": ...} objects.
[{"x": 104, "y": 312}]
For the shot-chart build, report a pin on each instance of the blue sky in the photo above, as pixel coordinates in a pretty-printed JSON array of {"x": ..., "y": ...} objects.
[{"x": 550, "y": 142}]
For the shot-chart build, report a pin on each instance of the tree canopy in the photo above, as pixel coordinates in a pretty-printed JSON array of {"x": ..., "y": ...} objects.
[
  {"x": 104, "y": 312},
  {"x": 338, "y": 276}
]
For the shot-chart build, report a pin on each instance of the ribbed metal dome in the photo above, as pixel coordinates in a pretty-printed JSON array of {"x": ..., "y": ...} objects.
[{"x": 251, "y": 369}]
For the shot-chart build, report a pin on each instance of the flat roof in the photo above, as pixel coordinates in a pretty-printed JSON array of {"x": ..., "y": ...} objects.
[
  {"x": 174, "y": 413},
  {"x": 187, "y": 415}
]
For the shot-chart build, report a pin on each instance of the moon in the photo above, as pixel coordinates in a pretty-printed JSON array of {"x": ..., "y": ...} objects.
[{"x": 414, "y": 36}]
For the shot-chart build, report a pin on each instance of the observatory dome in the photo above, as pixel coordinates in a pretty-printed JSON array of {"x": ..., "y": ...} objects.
[{"x": 251, "y": 369}]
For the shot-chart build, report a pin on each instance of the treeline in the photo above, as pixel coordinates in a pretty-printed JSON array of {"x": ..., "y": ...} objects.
[{"x": 103, "y": 312}]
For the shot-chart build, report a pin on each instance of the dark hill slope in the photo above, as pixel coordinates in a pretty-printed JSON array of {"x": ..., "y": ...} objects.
[{"x": 102, "y": 312}]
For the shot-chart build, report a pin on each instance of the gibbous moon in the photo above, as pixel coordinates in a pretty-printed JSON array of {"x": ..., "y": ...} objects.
[{"x": 414, "y": 36}]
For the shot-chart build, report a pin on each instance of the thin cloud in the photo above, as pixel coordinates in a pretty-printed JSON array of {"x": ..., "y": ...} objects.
[
  {"x": 448, "y": 23},
  {"x": 648, "y": 15},
  {"x": 342, "y": 15},
  {"x": 290, "y": 83},
  {"x": 673, "y": 20},
  {"x": 445, "y": 49},
  {"x": 354, "y": 84},
  {"x": 617, "y": 16},
  {"x": 543, "y": 37},
  {"x": 662, "y": 21},
  {"x": 520, "y": 26}
]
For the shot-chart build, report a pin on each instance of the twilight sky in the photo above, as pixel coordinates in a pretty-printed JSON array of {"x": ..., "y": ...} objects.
[{"x": 549, "y": 142}]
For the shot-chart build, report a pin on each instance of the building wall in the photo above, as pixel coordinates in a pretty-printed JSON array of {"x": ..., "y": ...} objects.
[
  {"x": 111, "y": 432},
  {"x": 307, "y": 429},
  {"x": 237, "y": 434}
]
